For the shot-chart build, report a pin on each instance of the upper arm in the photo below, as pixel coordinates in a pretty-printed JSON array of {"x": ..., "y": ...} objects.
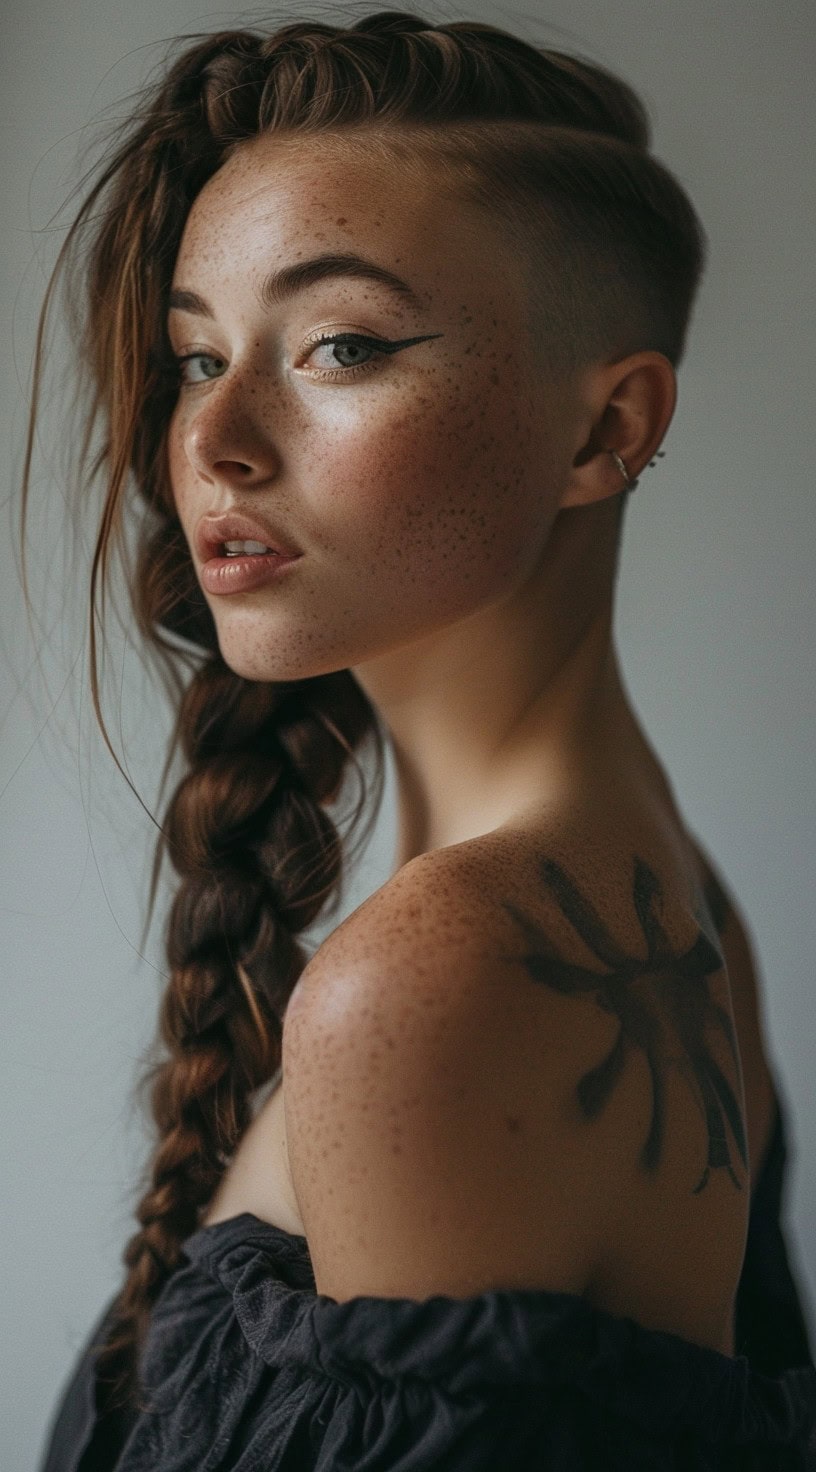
[{"x": 431, "y": 1143}]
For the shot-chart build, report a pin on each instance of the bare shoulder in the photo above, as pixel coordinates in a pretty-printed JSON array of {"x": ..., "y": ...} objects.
[
  {"x": 432, "y": 909},
  {"x": 444, "y": 941},
  {"x": 469, "y": 1061},
  {"x": 430, "y": 1143}
]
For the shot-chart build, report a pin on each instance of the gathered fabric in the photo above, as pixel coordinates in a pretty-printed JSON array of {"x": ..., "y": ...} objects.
[{"x": 246, "y": 1368}]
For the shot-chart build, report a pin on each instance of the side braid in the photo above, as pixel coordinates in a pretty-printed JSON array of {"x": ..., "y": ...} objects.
[{"x": 257, "y": 853}]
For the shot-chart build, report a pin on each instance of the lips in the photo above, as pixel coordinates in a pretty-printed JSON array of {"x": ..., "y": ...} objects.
[{"x": 233, "y": 526}]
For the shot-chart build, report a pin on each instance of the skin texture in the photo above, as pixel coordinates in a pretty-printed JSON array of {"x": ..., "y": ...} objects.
[
  {"x": 668, "y": 993},
  {"x": 455, "y": 507},
  {"x": 515, "y": 1062},
  {"x": 499, "y": 1084}
]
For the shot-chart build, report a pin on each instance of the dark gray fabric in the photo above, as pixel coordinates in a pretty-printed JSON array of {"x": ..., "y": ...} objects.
[{"x": 248, "y": 1369}]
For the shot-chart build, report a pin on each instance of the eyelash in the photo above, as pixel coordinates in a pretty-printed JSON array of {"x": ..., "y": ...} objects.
[{"x": 339, "y": 338}]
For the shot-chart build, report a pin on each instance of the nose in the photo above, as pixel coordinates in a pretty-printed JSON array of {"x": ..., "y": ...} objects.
[{"x": 224, "y": 439}]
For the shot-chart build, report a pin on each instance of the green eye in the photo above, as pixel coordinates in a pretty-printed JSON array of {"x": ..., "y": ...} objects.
[
  {"x": 353, "y": 343},
  {"x": 182, "y": 379}
]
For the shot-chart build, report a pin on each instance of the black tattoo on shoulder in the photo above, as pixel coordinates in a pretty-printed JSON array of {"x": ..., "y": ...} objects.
[{"x": 675, "y": 1003}]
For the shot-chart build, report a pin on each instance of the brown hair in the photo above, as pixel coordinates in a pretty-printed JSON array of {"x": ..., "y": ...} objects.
[{"x": 558, "y": 147}]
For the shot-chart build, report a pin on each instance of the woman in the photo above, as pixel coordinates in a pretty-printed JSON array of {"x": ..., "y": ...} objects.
[{"x": 383, "y": 325}]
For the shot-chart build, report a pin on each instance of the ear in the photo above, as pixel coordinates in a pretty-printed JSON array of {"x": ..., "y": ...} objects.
[{"x": 626, "y": 406}]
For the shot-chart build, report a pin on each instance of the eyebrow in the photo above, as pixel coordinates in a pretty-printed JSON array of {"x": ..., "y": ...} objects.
[{"x": 280, "y": 286}]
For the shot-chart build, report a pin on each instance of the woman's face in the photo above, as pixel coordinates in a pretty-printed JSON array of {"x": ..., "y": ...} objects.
[{"x": 420, "y": 484}]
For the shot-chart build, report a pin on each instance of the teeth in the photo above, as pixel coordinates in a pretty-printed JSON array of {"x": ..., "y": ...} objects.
[{"x": 254, "y": 549}]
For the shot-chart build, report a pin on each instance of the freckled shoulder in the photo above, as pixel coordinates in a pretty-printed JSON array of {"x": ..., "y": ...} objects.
[
  {"x": 495, "y": 1042},
  {"x": 432, "y": 1144},
  {"x": 589, "y": 987},
  {"x": 432, "y": 918}
]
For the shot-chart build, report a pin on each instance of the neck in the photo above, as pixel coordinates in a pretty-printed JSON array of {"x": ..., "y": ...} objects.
[{"x": 499, "y": 715}]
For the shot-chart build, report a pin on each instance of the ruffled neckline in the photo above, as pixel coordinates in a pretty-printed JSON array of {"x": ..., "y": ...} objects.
[{"x": 657, "y": 1380}]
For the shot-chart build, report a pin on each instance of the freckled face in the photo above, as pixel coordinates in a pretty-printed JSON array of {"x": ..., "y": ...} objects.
[{"x": 419, "y": 484}]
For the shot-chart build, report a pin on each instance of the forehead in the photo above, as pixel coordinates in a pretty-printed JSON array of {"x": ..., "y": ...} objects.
[{"x": 276, "y": 200}]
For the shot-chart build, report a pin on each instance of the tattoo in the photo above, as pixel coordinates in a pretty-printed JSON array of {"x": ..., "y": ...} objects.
[
  {"x": 716, "y": 901},
  {"x": 676, "y": 1001}
]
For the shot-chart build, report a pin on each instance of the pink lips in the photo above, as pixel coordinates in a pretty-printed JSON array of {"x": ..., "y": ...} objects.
[
  {"x": 234, "y": 526},
  {"x": 243, "y": 574}
]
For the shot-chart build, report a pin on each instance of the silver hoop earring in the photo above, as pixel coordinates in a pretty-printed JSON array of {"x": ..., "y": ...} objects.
[{"x": 631, "y": 485}]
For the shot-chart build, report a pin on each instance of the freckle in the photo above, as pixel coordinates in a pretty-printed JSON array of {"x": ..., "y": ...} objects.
[
  {"x": 513, "y": 1124},
  {"x": 342, "y": 220}
]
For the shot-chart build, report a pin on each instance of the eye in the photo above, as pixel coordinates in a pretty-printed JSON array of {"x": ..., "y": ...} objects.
[
  {"x": 179, "y": 365},
  {"x": 353, "y": 344}
]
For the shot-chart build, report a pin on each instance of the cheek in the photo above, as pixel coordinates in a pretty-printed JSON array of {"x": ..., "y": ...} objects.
[{"x": 449, "y": 488}]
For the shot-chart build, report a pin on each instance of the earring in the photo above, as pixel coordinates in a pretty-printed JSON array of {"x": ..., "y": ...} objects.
[{"x": 631, "y": 485}]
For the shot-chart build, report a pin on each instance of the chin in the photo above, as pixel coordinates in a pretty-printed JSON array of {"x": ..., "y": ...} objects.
[{"x": 264, "y": 668}]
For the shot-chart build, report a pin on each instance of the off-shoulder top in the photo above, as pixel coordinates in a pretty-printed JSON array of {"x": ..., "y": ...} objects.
[{"x": 247, "y": 1368}]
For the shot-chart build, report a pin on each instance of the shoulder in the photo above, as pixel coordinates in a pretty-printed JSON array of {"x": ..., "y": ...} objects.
[
  {"x": 433, "y": 1139},
  {"x": 433, "y": 912},
  {"x": 413, "y": 971}
]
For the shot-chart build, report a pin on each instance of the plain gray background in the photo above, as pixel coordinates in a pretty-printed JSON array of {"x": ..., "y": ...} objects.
[{"x": 715, "y": 621}]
